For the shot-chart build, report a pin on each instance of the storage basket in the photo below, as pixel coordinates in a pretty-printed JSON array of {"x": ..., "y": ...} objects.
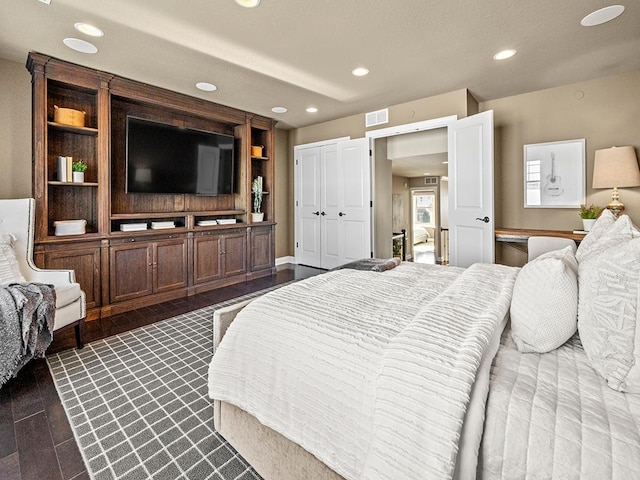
[
  {"x": 70, "y": 227},
  {"x": 68, "y": 116}
]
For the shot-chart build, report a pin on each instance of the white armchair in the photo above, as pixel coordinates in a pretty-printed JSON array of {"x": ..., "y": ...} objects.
[{"x": 17, "y": 218}]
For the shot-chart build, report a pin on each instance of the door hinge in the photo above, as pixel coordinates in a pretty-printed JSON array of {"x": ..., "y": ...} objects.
[
  {"x": 297, "y": 246},
  {"x": 370, "y": 153},
  {"x": 371, "y": 203},
  {"x": 371, "y": 255},
  {"x": 296, "y": 203},
  {"x": 296, "y": 161}
]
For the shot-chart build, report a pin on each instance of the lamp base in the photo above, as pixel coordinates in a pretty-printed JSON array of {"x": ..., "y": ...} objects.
[{"x": 616, "y": 206}]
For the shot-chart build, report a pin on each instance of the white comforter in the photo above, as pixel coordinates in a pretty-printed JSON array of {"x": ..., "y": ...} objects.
[
  {"x": 371, "y": 372},
  {"x": 553, "y": 415}
]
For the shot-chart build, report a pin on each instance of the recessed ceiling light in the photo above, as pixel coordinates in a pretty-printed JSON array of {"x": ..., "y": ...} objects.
[
  {"x": 312, "y": 109},
  {"x": 504, "y": 54},
  {"x": 445, "y": 163},
  {"x": 279, "y": 110},
  {"x": 360, "y": 72},
  {"x": 602, "y": 16},
  {"x": 206, "y": 87},
  {"x": 248, "y": 3},
  {"x": 88, "y": 29},
  {"x": 80, "y": 45},
  {"x": 428, "y": 173},
  {"x": 48, "y": 2}
]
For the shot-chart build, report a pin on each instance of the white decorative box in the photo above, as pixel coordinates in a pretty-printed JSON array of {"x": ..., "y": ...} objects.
[{"x": 70, "y": 227}]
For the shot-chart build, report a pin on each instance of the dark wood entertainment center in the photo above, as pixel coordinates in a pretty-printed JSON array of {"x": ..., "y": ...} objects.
[{"x": 119, "y": 270}]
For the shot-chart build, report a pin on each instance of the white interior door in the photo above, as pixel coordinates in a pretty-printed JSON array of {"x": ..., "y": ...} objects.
[
  {"x": 330, "y": 201},
  {"x": 333, "y": 203},
  {"x": 354, "y": 191},
  {"x": 308, "y": 206},
  {"x": 471, "y": 208}
]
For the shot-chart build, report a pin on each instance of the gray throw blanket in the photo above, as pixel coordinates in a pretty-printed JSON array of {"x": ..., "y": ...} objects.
[{"x": 27, "y": 311}]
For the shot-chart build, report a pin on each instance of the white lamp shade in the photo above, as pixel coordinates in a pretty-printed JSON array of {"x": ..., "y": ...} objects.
[{"x": 616, "y": 167}]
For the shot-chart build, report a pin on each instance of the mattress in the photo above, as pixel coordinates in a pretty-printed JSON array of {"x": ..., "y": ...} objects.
[{"x": 551, "y": 416}]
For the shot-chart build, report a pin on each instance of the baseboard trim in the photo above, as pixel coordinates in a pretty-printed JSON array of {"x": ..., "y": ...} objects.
[{"x": 283, "y": 260}]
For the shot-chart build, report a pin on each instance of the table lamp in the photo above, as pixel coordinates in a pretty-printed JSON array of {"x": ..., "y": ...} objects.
[{"x": 616, "y": 167}]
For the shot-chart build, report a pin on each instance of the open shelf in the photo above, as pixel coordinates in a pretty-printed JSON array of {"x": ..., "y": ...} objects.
[
  {"x": 72, "y": 184},
  {"x": 71, "y": 129}
]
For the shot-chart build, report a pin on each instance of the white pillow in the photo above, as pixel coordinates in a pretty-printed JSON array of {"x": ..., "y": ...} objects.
[
  {"x": 9, "y": 268},
  {"x": 544, "y": 306},
  {"x": 609, "y": 307},
  {"x": 602, "y": 225}
]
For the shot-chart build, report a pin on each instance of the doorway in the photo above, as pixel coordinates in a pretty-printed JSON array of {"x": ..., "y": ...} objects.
[{"x": 424, "y": 225}]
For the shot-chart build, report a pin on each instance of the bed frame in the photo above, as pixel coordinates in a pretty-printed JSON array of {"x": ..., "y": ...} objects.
[{"x": 272, "y": 455}]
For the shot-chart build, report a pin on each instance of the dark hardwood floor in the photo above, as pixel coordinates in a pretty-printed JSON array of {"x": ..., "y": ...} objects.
[{"x": 36, "y": 441}]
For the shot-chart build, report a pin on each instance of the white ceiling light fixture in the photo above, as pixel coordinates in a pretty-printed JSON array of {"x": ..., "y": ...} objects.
[
  {"x": 48, "y": 2},
  {"x": 312, "y": 110},
  {"x": 601, "y": 16},
  {"x": 248, "y": 3},
  {"x": 360, "y": 71},
  {"x": 279, "y": 110},
  {"x": 206, "y": 87},
  {"x": 504, "y": 54},
  {"x": 80, "y": 45},
  {"x": 88, "y": 29}
]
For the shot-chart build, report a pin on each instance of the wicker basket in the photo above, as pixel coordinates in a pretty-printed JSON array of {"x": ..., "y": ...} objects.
[{"x": 68, "y": 116}]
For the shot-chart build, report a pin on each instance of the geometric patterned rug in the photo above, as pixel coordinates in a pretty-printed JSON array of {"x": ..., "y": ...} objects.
[{"x": 137, "y": 402}]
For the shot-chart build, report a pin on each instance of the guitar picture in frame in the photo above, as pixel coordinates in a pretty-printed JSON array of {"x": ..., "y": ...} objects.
[
  {"x": 553, "y": 185},
  {"x": 554, "y": 174}
]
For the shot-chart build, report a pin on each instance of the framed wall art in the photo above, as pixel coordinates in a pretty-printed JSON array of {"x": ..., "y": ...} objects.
[{"x": 554, "y": 174}]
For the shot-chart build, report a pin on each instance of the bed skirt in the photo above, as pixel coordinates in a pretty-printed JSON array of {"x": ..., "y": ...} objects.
[{"x": 272, "y": 455}]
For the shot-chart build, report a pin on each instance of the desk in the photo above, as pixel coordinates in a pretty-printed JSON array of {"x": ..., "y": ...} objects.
[{"x": 521, "y": 235}]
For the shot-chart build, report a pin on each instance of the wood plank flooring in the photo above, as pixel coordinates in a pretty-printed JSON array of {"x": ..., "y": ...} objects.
[{"x": 36, "y": 441}]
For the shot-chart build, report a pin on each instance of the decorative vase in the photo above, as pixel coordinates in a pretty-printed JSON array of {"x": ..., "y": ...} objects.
[
  {"x": 257, "y": 217},
  {"x": 587, "y": 223},
  {"x": 78, "y": 177}
]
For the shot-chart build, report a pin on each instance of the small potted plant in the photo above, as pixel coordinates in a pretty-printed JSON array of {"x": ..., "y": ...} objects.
[
  {"x": 589, "y": 215},
  {"x": 78, "y": 168},
  {"x": 256, "y": 189}
]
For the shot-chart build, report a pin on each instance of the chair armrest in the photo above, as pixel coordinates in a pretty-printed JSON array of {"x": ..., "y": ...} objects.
[{"x": 54, "y": 277}]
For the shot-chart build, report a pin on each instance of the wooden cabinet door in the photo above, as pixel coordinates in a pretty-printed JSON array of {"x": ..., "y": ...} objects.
[
  {"x": 131, "y": 271},
  {"x": 261, "y": 248},
  {"x": 85, "y": 262},
  {"x": 235, "y": 253},
  {"x": 207, "y": 258},
  {"x": 169, "y": 264}
]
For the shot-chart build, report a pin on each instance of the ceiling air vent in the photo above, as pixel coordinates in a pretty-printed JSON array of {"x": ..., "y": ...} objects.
[
  {"x": 430, "y": 180},
  {"x": 378, "y": 117}
]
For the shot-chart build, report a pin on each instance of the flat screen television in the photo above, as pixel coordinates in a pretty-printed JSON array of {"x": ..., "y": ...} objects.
[{"x": 163, "y": 158}]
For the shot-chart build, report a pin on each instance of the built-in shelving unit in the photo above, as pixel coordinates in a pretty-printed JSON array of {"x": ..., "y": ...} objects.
[{"x": 121, "y": 270}]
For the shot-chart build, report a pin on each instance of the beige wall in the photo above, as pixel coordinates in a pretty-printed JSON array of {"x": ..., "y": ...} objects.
[
  {"x": 604, "y": 112},
  {"x": 283, "y": 195},
  {"x": 453, "y": 103},
  {"x": 15, "y": 130},
  {"x": 382, "y": 202}
]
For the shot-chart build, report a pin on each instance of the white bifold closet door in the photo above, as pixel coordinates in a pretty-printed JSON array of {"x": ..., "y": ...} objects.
[{"x": 333, "y": 203}]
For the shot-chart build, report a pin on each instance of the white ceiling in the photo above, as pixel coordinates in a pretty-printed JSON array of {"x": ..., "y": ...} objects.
[{"x": 296, "y": 53}]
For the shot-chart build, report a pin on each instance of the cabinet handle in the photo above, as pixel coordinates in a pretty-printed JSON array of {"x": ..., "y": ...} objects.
[
  {"x": 315, "y": 213},
  {"x": 133, "y": 239}
]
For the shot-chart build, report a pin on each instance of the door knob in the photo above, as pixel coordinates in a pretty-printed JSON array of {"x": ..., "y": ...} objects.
[
  {"x": 315, "y": 213},
  {"x": 322, "y": 213},
  {"x": 341, "y": 214},
  {"x": 485, "y": 219}
]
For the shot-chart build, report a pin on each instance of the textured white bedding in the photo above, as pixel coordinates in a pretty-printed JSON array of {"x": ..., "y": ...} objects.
[
  {"x": 553, "y": 415},
  {"x": 371, "y": 372}
]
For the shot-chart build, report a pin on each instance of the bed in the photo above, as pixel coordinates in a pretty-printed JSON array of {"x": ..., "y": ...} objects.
[{"x": 417, "y": 372}]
